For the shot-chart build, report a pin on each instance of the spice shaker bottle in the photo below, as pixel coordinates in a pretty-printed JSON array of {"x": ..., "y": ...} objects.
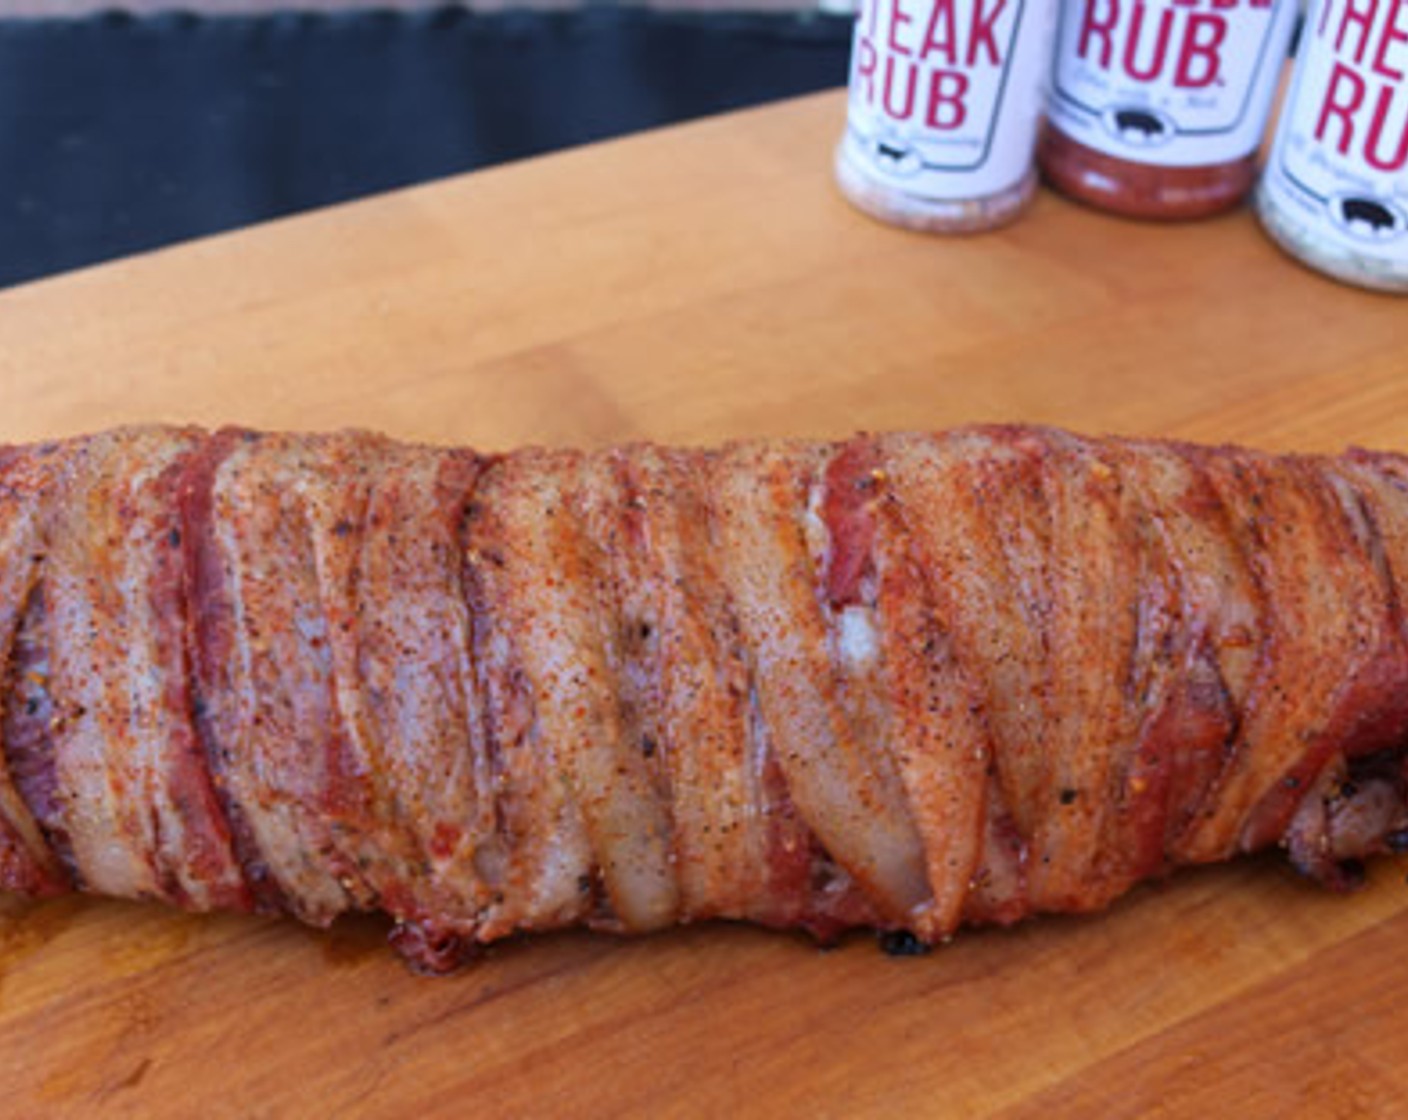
[
  {"x": 1158, "y": 107},
  {"x": 944, "y": 105},
  {"x": 1335, "y": 190}
]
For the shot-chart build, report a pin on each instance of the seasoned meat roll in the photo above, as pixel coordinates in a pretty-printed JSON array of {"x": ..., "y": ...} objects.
[{"x": 909, "y": 682}]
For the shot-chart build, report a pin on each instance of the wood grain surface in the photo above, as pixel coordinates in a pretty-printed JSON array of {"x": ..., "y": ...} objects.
[{"x": 693, "y": 285}]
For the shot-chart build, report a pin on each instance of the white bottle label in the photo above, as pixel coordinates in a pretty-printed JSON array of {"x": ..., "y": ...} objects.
[
  {"x": 1174, "y": 83},
  {"x": 946, "y": 95},
  {"x": 1339, "y": 166}
]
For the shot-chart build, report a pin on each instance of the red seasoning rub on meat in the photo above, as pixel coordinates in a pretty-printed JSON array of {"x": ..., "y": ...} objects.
[{"x": 908, "y": 682}]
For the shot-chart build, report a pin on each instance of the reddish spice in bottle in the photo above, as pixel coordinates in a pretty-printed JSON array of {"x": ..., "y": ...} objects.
[{"x": 1157, "y": 107}]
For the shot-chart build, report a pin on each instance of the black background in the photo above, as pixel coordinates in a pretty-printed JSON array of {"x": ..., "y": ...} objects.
[{"x": 119, "y": 134}]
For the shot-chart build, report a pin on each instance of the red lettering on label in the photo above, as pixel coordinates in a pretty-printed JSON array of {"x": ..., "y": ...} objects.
[
  {"x": 1152, "y": 42},
  {"x": 1343, "y": 97},
  {"x": 928, "y": 78},
  {"x": 1360, "y": 118},
  {"x": 1374, "y": 154},
  {"x": 1221, "y": 5},
  {"x": 870, "y": 13},
  {"x": 947, "y": 90},
  {"x": 898, "y": 18},
  {"x": 1200, "y": 60},
  {"x": 1359, "y": 18},
  {"x": 900, "y": 112},
  {"x": 1325, "y": 10},
  {"x": 1154, "y": 66},
  {"x": 865, "y": 68},
  {"x": 1392, "y": 33},
  {"x": 1092, "y": 29},
  {"x": 983, "y": 33},
  {"x": 940, "y": 37}
]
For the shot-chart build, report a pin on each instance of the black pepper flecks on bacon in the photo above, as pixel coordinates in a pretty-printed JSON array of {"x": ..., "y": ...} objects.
[
  {"x": 209, "y": 655},
  {"x": 908, "y": 682}
]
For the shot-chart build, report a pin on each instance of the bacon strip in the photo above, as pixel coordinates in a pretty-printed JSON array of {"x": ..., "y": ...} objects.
[
  {"x": 909, "y": 681},
  {"x": 137, "y": 803},
  {"x": 848, "y": 793}
]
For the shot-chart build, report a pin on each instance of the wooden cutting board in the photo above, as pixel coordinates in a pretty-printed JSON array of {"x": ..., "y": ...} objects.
[{"x": 692, "y": 285}]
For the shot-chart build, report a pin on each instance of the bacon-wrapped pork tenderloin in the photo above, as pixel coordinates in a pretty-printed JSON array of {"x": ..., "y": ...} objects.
[{"x": 909, "y": 682}]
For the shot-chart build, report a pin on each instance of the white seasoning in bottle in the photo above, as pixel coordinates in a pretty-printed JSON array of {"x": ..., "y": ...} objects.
[
  {"x": 945, "y": 100},
  {"x": 1335, "y": 190}
]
